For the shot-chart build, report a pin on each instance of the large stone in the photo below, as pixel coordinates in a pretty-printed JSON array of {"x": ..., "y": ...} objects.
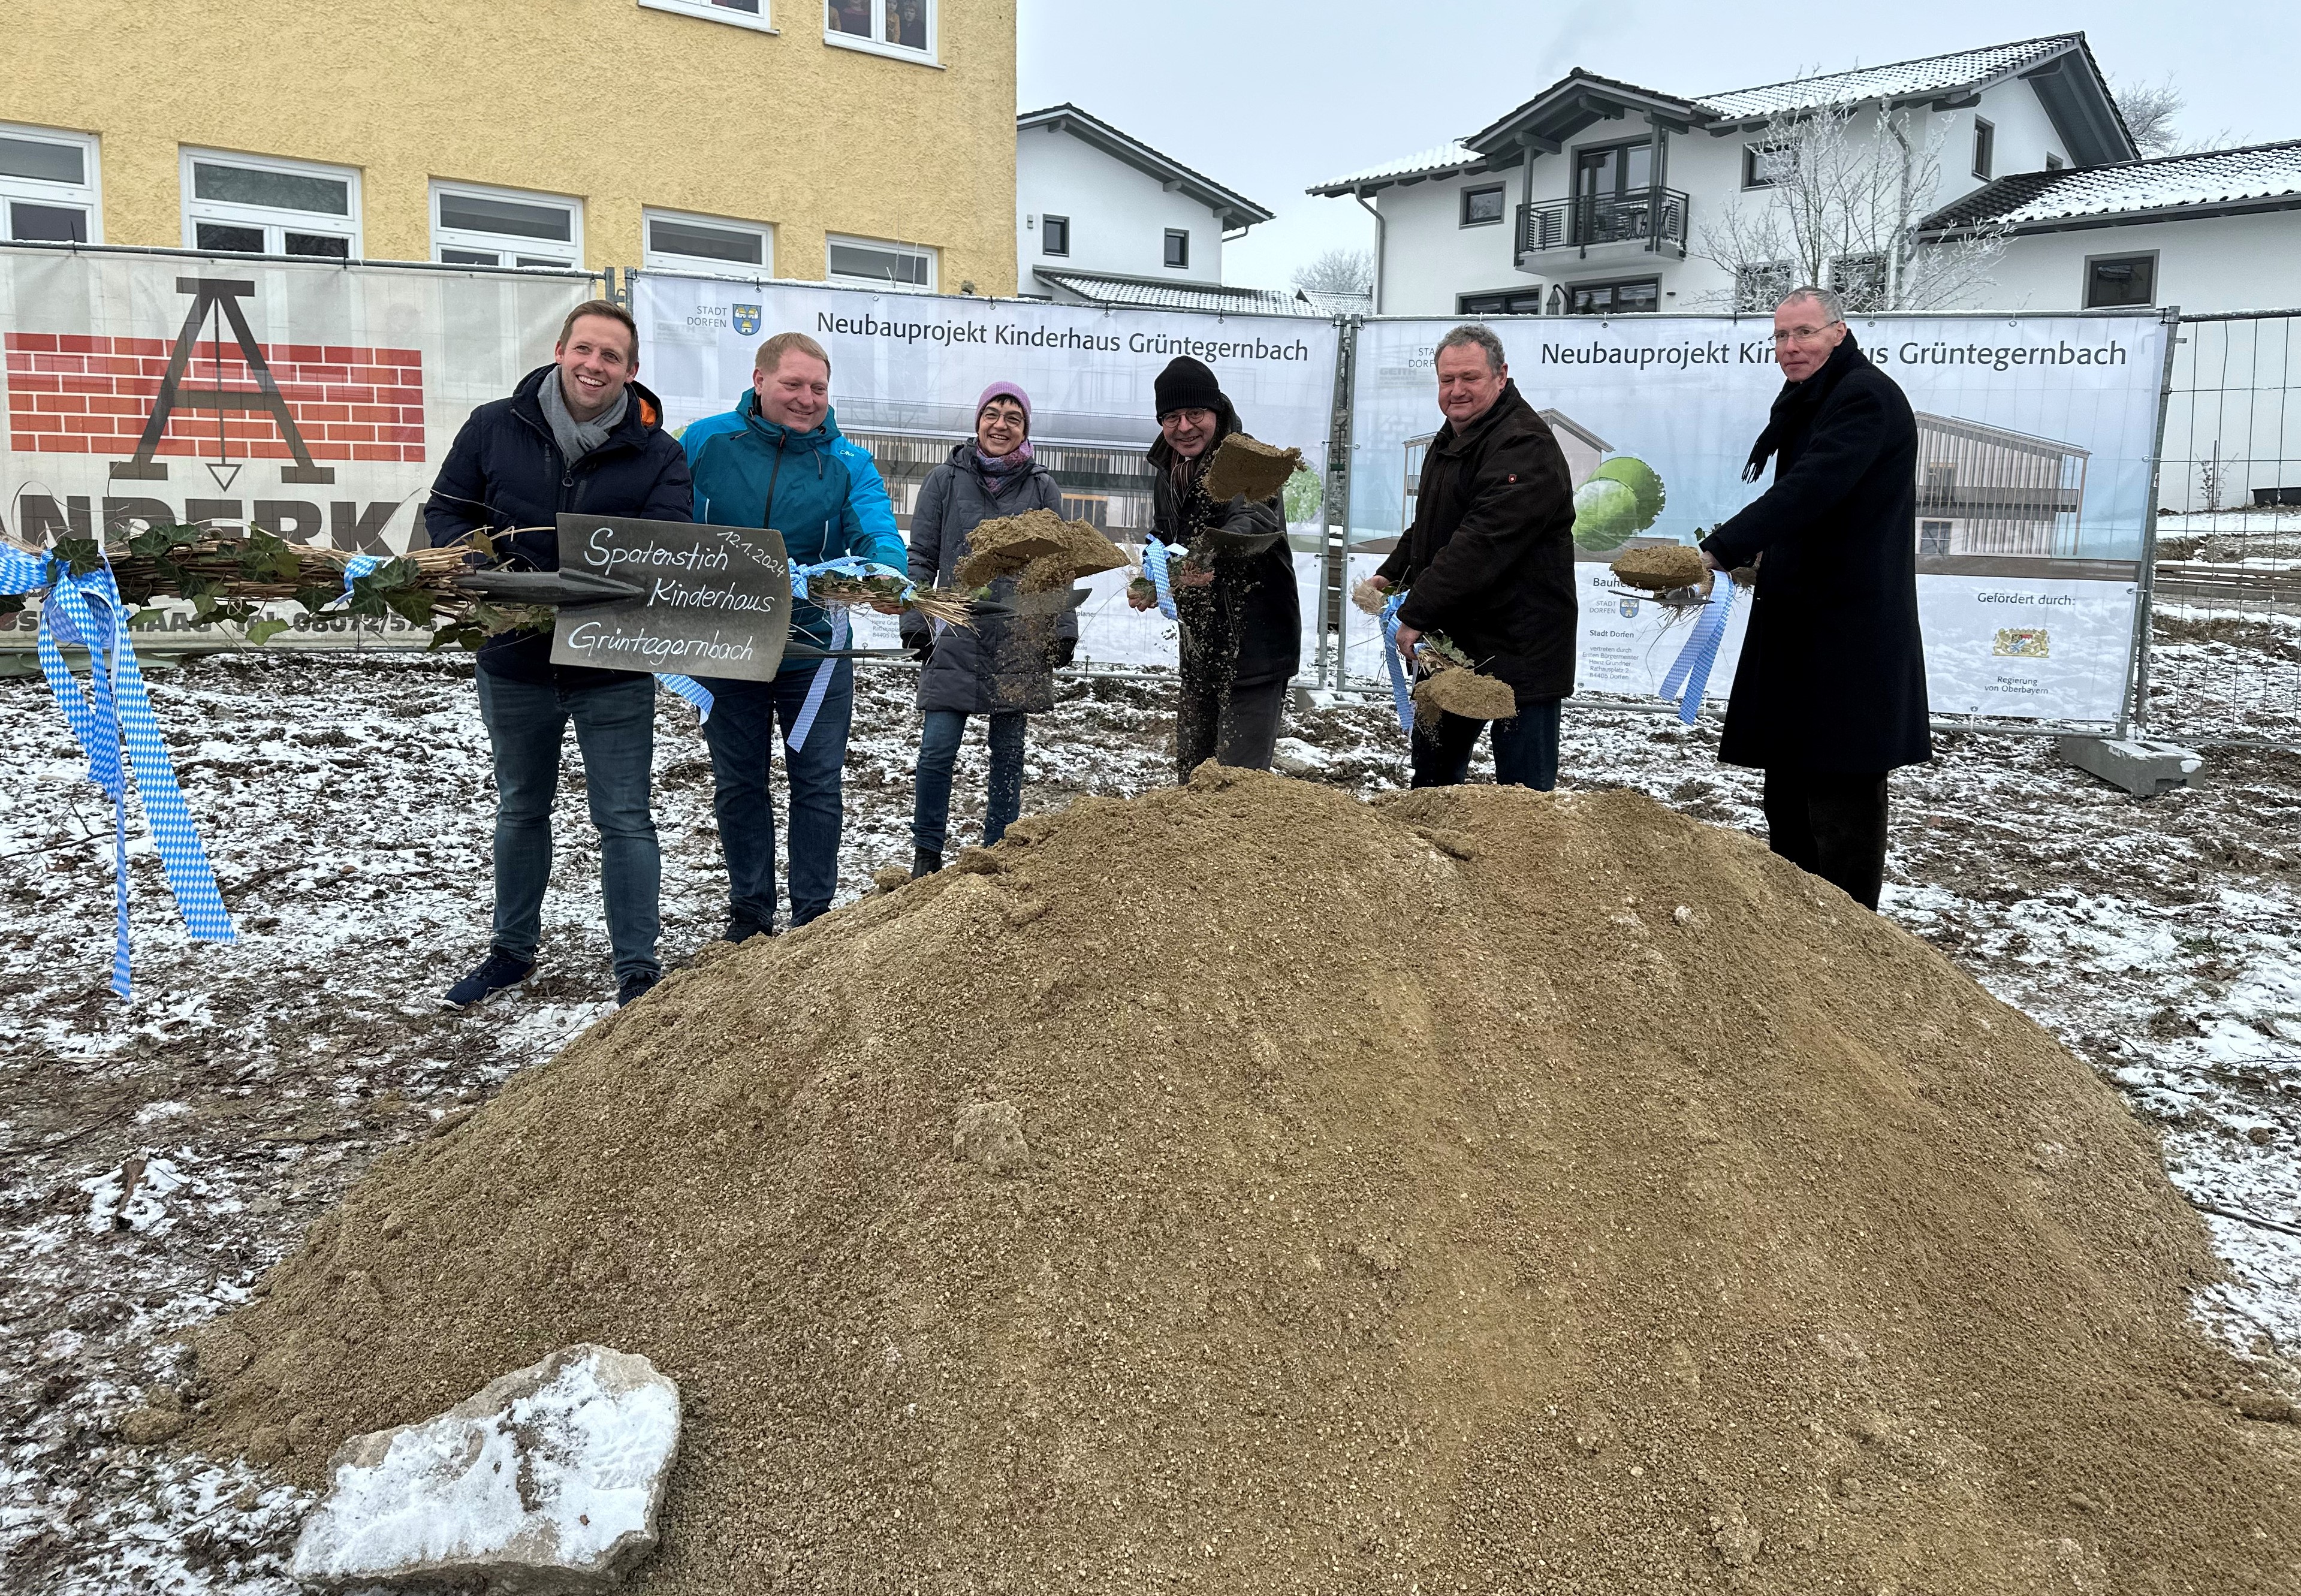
[{"x": 548, "y": 1481}]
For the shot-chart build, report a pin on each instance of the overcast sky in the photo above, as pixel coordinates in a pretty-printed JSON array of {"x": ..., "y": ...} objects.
[{"x": 1268, "y": 97}]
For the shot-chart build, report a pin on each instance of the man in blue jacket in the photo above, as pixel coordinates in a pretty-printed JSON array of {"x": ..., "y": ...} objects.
[
  {"x": 778, "y": 460},
  {"x": 576, "y": 435}
]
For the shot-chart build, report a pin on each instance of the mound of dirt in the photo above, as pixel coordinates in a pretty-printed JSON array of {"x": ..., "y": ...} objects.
[
  {"x": 1247, "y": 465},
  {"x": 1039, "y": 548},
  {"x": 1245, "y": 1188},
  {"x": 1466, "y": 693},
  {"x": 1659, "y": 567}
]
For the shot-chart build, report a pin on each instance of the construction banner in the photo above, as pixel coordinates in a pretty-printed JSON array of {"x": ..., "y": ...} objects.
[
  {"x": 2035, "y": 435},
  {"x": 906, "y": 369},
  {"x": 313, "y": 400}
]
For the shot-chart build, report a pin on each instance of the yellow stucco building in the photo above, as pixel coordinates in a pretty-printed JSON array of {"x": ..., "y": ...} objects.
[{"x": 862, "y": 141}]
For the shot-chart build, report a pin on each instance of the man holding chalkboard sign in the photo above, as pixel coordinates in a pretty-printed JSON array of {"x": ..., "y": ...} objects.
[
  {"x": 778, "y": 460},
  {"x": 578, "y": 435}
]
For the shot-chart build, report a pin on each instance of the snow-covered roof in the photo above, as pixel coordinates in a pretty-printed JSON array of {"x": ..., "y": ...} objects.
[
  {"x": 2254, "y": 177},
  {"x": 2060, "y": 67},
  {"x": 1442, "y": 160},
  {"x": 1141, "y": 293},
  {"x": 1961, "y": 69},
  {"x": 1233, "y": 208}
]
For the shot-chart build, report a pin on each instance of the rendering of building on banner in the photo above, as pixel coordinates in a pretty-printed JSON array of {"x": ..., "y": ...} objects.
[
  {"x": 1601, "y": 197},
  {"x": 1988, "y": 491}
]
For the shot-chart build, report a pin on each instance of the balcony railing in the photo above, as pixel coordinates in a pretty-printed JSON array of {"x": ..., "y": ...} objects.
[{"x": 1653, "y": 217}]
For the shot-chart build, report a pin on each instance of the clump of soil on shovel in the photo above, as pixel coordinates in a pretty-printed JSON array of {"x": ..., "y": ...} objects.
[
  {"x": 1245, "y": 1188},
  {"x": 1659, "y": 567},
  {"x": 1039, "y": 548},
  {"x": 1243, "y": 464},
  {"x": 1467, "y": 694}
]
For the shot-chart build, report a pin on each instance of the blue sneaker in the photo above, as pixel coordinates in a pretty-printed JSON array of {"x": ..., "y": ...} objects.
[
  {"x": 497, "y": 970},
  {"x": 638, "y": 985}
]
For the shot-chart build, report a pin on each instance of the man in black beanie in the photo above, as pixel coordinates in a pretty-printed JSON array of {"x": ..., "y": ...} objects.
[{"x": 1235, "y": 599}]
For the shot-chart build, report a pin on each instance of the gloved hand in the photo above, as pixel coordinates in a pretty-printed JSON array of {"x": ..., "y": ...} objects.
[{"x": 1066, "y": 650}]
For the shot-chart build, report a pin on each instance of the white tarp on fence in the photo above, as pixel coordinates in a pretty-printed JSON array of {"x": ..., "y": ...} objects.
[
  {"x": 906, "y": 369},
  {"x": 2037, "y": 435},
  {"x": 314, "y": 399}
]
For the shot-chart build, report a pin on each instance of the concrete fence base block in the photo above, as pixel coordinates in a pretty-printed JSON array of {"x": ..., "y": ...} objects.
[{"x": 2142, "y": 768}]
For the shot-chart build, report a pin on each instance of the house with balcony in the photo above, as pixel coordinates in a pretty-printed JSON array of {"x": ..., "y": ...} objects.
[{"x": 1592, "y": 197}]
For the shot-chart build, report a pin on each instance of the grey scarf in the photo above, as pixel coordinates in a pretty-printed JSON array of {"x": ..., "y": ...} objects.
[{"x": 577, "y": 438}]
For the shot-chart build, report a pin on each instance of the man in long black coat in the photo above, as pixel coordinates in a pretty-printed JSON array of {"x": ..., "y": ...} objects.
[
  {"x": 1830, "y": 693},
  {"x": 1489, "y": 562}
]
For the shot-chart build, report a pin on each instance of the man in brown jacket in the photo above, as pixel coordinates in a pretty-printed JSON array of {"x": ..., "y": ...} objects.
[{"x": 1489, "y": 562}]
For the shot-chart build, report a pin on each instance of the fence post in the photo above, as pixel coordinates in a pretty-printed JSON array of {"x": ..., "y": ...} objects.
[
  {"x": 1333, "y": 607},
  {"x": 2134, "y": 707}
]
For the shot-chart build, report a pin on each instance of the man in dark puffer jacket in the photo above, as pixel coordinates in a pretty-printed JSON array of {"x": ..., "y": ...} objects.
[{"x": 577, "y": 435}]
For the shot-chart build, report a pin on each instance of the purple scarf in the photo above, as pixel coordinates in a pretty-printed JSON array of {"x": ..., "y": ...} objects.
[{"x": 1002, "y": 471}]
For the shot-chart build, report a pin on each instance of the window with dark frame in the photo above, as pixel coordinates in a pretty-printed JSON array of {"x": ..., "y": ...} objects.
[
  {"x": 1178, "y": 248},
  {"x": 2118, "y": 280},
  {"x": 1055, "y": 234},
  {"x": 2053, "y": 161},
  {"x": 1985, "y": 147},
  {"x": 1614, "y": 298},
  {"x": 1508, "y": 302},
  {"x": 1933, "y": 536},
  {"x": 1482, "y": 206},
  {"x": 1763, "y": 166}
]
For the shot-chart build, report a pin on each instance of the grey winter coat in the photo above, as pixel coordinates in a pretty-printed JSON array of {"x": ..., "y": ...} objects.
[{"x": 1006, "y": 663}]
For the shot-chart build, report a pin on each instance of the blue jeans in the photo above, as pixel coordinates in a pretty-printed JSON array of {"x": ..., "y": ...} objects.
[
  {"x": 931, "y": 783},
  {"x": 1526, "y": 749},
  {"x": 615, "y": 729},
  {"x": 742, "y": 732}
]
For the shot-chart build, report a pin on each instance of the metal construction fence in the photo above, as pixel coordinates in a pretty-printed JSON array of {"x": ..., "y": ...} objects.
[
  {"x": 2220, "y": 662},
  {"x": 2150, "y": 523}
]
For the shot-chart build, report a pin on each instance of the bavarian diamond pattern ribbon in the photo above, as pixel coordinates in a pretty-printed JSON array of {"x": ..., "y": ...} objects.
[
  {"x": 113, "y": 720},
  {"x": 1691, "y": 670},
  {"x": 1155, "y": 556},
  {"x": 1401, "y": 696},
  {"x": 819, "y": 687}
]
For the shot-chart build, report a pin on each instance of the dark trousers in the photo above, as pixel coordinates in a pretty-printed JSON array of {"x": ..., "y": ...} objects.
[
  {"x": 1526, "y": 749},
  {"x": 747, "y": 720},
  {"x": 1830, "y": 825},
  {"x": 615, "y": 728},
  {"x": 931, "y": 781},
  {"x": 1231, "y": 725}
]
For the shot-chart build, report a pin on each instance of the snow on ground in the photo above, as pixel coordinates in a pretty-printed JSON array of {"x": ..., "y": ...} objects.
[{"x": 159, "y": 1156}]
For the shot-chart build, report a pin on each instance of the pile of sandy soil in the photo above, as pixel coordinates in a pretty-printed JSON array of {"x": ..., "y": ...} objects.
[
  {"x": 1247, "y": 465},
  {"x": 1466, "y": 693},
  {"x": 1474, "y": 1190},
  {"x": 1039, "y": 548},
  {"x": 1659, "y": 567}
]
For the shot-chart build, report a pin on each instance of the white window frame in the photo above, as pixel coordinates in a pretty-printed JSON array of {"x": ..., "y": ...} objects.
[
  {"x": 661, "y": 260},
  {"x": 507, "y": 243},
  {"x": 275, "y": 220},
  {"x": 933, "y": 258},
  {"x": 877, "y": 45},
  {"x": 710, "y": 13},
  {"x": 87, "y": 194}
]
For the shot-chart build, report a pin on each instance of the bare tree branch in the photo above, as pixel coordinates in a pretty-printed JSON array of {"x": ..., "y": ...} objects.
[{"x": 1337, "y": 271}]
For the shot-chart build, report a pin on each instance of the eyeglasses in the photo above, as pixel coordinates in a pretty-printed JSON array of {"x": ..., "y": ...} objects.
[
  {"x": 1802, "y": 335},
  {"x": 1191, "y": 417}
]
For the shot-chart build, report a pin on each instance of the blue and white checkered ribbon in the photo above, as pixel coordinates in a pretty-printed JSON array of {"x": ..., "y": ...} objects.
[
  {"x": 693, "y": 691},
  {"x": 1400, "y": 694},
  {"x": 821, "y": 685},
  {"x": 113, "y": 720},
  {"x": 1155, "y": 556},
  {"x": 1691, "y": 670}
]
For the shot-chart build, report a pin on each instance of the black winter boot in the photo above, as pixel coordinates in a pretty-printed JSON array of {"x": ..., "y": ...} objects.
[{"x": 924, "y": 863}]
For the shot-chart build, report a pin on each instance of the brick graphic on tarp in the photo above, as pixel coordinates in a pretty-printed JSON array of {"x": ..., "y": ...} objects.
[{"x": 217, "y": 400}]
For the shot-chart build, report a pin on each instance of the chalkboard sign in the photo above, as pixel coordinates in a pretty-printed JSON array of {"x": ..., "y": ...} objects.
[{"x": 714, "y": 600}]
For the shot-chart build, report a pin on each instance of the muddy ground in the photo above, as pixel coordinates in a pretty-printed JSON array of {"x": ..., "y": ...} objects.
[{"x": 345, "y": 802}]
